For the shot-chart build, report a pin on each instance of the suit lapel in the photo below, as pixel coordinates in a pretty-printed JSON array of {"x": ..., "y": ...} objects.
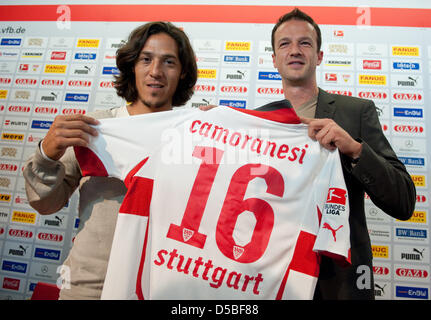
[{"x": 325, "y": 105}]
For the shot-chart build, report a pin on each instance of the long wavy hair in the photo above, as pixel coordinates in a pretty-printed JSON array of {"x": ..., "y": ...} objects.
[{"x": 128, "y": 54}]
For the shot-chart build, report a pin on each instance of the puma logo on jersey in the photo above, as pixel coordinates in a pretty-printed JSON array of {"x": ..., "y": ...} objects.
[{"x": 327, "y": 226}]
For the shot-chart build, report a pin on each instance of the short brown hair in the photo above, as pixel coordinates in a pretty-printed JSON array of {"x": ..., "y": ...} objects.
[
  {"x": 128, "y": 54},
  {"x": 297, "y": 14}
]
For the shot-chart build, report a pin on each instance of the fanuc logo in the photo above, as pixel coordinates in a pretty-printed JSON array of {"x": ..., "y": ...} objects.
[
  {"x": 372, "y": 79},
  {"x": 380, "y": 251},
  {"x": 238, "y": 46},
  {"x": 55, "y": 68},
  {"x": 405, "y": 51},
  {"x": 207, "y": 73},
  {"x": 88, "y": 43},
  {"x": 419, "y": 180}
]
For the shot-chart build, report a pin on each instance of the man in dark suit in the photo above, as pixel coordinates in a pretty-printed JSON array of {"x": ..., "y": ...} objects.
[{"x": 351, "y": 125}]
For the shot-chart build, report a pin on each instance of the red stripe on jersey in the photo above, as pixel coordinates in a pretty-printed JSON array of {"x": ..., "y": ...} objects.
[
  {"x": 319, "y": 215},
  {"x": 138, "y": 197},
  {"x": 90, "y": 164},
  {"x": 139, "y": 292},
  {"x": 304, "y": 260},
  {"x": 129, "y": 178},
  {"x": 284, "y": 115}
]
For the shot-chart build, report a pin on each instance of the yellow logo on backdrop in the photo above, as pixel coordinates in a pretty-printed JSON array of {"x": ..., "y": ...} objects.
[
  {"x": 88, "y": 43},
  {"x": 24, "y": 217},
  {"x": 419, "y": 180},
  {"x": 207, "y": 73},
  {"x": 4, "y": 197},
  {"x": 55, "y": 68},
  {"x": 380, "y": 251},
  {"x": 372, "y": 79},
  {"x": 417, "y": 217},
  {"x": 405, "y": 51},
  {"x": 238, "y": 45},
  {"x": 12, "y": 136}
]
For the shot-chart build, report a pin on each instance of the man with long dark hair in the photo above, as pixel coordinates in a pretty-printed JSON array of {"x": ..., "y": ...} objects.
[{"x": 157, "y": 71}]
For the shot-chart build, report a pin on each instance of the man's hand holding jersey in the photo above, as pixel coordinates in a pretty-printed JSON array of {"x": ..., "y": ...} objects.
[
  {"x": 332, "y": 136},
  {"x": 67, "y": 131}
]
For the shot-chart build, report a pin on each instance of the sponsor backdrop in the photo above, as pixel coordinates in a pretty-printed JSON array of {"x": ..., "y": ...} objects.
[{"x": 59, "y": 59}]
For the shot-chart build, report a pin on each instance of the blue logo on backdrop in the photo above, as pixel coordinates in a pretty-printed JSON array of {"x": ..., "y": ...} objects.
[
  {"x": 76, "y": 223},
  {"x": 110, "y": 70},
  {"x": 411, "y": 292},
  {"x": 236, "y": 59},
  {"x": 406, "y": 65},
  {"x": 76, "y": 97},
  {"x": 269, "y": 75},
  {"x": 44, "y": 253},
  {"x": 40, "y": 124},
  {"x": 85, "y": 56},
  {"x": 411, "y": 233},
  {"x": 10, "y": 42},
  {"x": 14, "y": 266},
  {"x": 233, "y": 103},
  {"x": 418, "y": 162},
  {"x": 32, "y": 286},
  {"x": 408, "y": 112}
]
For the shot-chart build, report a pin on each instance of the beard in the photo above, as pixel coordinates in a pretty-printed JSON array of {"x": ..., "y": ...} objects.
[{"x": 154, "y": 104}]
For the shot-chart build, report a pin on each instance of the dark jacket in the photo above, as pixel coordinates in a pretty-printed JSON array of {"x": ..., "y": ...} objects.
[{"x": 380, "y": 174}]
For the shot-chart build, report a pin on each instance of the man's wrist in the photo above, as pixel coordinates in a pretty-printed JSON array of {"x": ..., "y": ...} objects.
[
  {"x": 356, "y": 153},
  {"x": 43, "y": 153}
]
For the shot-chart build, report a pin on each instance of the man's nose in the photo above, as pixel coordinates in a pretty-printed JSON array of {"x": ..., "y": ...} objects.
[
  {"x": 295, "y": 49},
  {"x": 156, "y": 68}
]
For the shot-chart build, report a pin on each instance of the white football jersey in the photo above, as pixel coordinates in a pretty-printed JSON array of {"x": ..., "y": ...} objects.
[{"x": 222, "y": 204}]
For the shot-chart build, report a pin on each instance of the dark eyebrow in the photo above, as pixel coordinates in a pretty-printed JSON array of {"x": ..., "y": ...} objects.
[
  {"x": 300, "y": 39},
  {"x": 150, "y": 53}
]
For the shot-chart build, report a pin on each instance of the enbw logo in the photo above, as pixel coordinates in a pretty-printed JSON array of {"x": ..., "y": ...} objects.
[
  {"x": 76, "y": 97},
  {"x": 411, "y": 292},
  {"x": 110, "y": 70},
  {"x": 44, "y": 253},
  {"x": 268, "y": 75},
  {"x": 233, "y": 103},
  {"x": 10, "y": 42},
  {"x": 408, "y": 112},
  {"x": 14, "y": 266},
  {"x": 40, "y": 124}
]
